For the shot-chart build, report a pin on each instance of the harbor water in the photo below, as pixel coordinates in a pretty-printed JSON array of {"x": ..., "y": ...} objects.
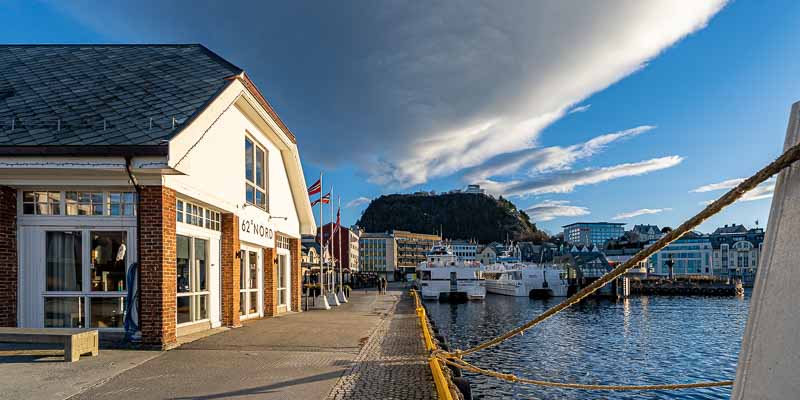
[{"x": 635, "y": 341}]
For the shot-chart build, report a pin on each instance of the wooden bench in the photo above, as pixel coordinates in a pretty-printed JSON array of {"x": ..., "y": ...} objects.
[{"x": 75, "y": 341}]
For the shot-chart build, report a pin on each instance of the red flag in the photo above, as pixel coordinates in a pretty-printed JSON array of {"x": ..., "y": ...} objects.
[
  {"x": 315, "y": 188},
  {"x": 325, "y": 200}
]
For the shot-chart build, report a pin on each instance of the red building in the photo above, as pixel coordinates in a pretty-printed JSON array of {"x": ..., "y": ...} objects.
[{"x": 344, "y": 246}]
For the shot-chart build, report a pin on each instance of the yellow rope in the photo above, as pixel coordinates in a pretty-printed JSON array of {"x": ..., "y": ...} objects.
[
  {"x": 513, "y": 378},
  {"x": 786, "y": 159}
]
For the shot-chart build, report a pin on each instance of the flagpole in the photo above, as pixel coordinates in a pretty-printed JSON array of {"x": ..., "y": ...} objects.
[
  {"x": 342, "y": 296},
  {"x": 323, "y": 301},
  {"x": 332, "y": 298}
]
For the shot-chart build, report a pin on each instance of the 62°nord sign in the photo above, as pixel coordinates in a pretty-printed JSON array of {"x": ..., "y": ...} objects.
[{"x": 254, "y": 227}]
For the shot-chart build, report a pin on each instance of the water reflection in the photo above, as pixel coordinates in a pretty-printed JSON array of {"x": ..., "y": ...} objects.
[{"x": 641, "y": 340}]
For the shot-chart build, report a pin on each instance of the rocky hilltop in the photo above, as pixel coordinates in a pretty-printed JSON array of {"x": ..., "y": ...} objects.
[{"x": 461, "y": 216}]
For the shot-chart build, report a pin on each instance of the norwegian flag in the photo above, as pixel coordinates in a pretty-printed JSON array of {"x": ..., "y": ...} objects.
[
  {"x": 315, "y": 188},
  {"x": 325, "y": 200}
]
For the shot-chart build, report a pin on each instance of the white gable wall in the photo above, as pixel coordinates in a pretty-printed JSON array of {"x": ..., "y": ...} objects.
[{"x": 214, "y": 162}]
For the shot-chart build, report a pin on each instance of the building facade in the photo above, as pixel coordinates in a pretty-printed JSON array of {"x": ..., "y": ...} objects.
[
  {"x": 412, "y": 249},
  {"x": 344, "y": 246},
  {"x": 691, "y": 255},
  {"x": 378, "y": 254},
  {"x": 592, "y": 233},
  {"x": 646, "y": 233},
  {"x": 183, "y": 189},
  {"x": 737, "y": 252},
  {"x": 464, "y": 250}
]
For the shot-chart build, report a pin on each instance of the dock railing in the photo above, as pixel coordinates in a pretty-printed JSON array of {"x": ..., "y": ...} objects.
[{"x": 442, "y": 381}]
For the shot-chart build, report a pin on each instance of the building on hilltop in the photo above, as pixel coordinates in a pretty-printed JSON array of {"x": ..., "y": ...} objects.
[
  {"x": 474, "y": 189},
  {"x": 737, "y": 252},
  {"x": 646, "y": 233},
  {"x": 597, "y": 233}
]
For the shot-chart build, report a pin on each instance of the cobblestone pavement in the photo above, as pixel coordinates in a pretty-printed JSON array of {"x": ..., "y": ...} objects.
[
  {"x": 392, "y": 364},
  {"x": 298, "y": 356}
]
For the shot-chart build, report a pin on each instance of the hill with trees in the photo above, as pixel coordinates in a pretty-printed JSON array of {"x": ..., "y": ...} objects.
[{"x": 467, "y": 216}]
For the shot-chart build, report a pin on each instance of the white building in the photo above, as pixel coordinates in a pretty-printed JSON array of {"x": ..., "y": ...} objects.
[
  {"x": 378, "y": 253},
  {"x": 464, "y": 250},
  {"x": 167, "y": 174},
  {"x": 690, "y": 255}
]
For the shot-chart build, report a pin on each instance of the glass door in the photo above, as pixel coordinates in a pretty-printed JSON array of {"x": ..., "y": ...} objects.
[
  {"x": 192, "y": 279},
  {"x": 283, "y": 280},
  {"x": 249, "y": 283}
]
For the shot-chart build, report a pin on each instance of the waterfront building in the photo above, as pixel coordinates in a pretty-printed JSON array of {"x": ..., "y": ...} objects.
[
  {"x": 487, "y": 255},
  {"x": 589, "y": 233},
  {"x": 150, "y": 171},
  {"x": 737, "y": 251},
  {"x": 378, "y": 254},
  {"x": 691, "y": 255},
  {"x": 537, "y": 253},
  {"x": 645, "y": 233},
  {"x": 464, "y": 250},
  {"x": 412, "y": 249},
  {"x": 345, "y": 245}
]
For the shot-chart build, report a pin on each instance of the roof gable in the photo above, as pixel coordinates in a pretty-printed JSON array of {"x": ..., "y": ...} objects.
[{"x": 79, "y": 95}]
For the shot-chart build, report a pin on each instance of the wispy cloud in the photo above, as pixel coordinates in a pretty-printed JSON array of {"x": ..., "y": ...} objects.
[
  {"x": 552, "y": 209},
  {"x": 438, "y": 87},
  {"x": 549, "y": 158},
  {"x": 567, "y": 181},
  {"x": 357, "y": 202},
  {"x": 643, "y": 211},
  {"x": 762, "y": 191},
  {"x": 580, "y": 109}
]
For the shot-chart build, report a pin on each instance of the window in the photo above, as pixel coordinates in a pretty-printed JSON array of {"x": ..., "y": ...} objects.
[
  {"x": 41, "y": 203},
  {"x": 192, "y": 279},
  {"x": 193, "y": 214},
  {"x": 255, "y": 171},
  {"x": 79, "y": 203},
  {"x": 248, "y": 283},
  {"x": 84, "y": 203},
  {"x": 85, "y": 276}
]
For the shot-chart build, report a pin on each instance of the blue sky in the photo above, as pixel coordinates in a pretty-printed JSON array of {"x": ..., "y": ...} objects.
[{"x": 576, "y": 111}]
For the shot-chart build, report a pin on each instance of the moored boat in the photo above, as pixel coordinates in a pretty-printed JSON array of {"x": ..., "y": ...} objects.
[
  {"x": 526, "y": 280},
  {"x": 442, "y": 276}
]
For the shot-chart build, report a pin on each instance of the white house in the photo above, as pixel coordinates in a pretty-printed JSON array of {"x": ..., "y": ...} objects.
[{"x": 144, "y": 186}]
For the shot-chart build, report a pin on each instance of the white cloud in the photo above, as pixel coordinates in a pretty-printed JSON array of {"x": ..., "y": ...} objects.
[
  {"x": 567, "y": 181},
  {"x": 587, "y": 48},
  {"x": 580, "y": 109},
  {"x": 729, "y": 184},
  {"x": 421, "y": 90},
  {"x": 552, "y": 209},
  {"x": 643, "y": 211},
  {"x": 357, "y": 202},
  {"x": 763, "y": 191},
  {"x": 548, "y": 158}
]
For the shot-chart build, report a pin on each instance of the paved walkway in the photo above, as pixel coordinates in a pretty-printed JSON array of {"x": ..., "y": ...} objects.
[
  {"x": 358, "y": 350},
  {"x": 392, "y": 365}
]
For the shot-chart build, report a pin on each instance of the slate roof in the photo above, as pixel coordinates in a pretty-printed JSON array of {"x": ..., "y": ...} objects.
[{"x": 60, "y": 95}]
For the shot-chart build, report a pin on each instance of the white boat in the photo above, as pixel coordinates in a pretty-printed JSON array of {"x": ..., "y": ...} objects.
[
  {"x": 526, "y": 280},
  {"x": 442, "y": 276}
]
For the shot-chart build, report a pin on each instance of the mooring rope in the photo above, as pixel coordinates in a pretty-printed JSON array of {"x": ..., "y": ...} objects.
[
  {"x": 513, "y": 378},
  {"x": 456, "y": 358}
]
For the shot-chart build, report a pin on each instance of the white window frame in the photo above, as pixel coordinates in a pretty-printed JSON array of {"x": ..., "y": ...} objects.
[
  {"x": 259, "y": 289},
  {"x": 252, "y": 183}
]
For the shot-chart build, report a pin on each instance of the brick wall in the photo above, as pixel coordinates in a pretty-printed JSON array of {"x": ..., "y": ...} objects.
[
  {"x": 157, "y": 266},
  {"x": 8, "y": 256},
  {"x": 270, "y": 283},
  {"x": 297, "y": 275},
  {"x": 231, "y": 264}
]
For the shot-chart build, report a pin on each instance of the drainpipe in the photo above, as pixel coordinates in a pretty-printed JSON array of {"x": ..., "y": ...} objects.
[{"x": 138, "y": 190}]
